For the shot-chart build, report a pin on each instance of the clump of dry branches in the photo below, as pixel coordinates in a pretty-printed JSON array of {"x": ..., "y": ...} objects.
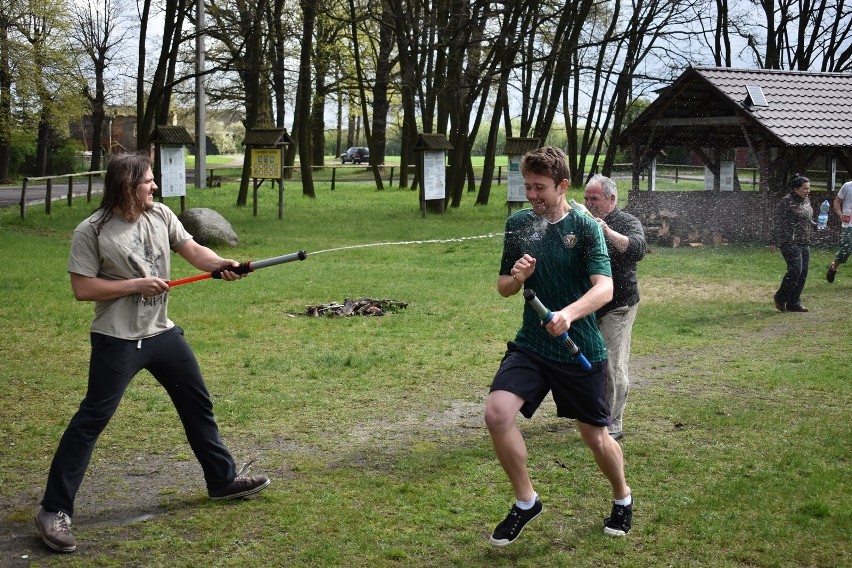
[{"x": 360, "y": 307}]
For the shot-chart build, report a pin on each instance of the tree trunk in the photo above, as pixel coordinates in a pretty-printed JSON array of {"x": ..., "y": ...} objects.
[
  {"x": 257, "y": 95},
  {"x": 408, "y": 85},
  {"x": 5, "y": 99},
  {"x": 97, "y": 138},
  {"x": 317, "y": 119},
  {"x": 771, "y": 57},
  {"x": 303, "y": 99},
  {"x": 491, "y": 147},
  {"x": 360, "y": 78},
  {"x": 381, "y": 102},
  {"x": 278, "y": 56},
  {"x": 42, "y": 146},
  {"x": 721, "y": 37},
  {"x": 155, "y": 109}
]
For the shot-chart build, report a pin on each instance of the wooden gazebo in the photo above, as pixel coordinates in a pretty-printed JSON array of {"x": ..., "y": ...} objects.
[{"x": 783, "y": 121}]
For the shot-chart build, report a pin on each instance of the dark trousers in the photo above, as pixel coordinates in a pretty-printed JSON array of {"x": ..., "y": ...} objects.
[
  {"x": 113, "y": 364},
  {"x": 797, "y": 258}
]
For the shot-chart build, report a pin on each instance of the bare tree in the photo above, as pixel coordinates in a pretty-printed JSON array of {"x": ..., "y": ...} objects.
[
  {"x": 329, "y": 53},
  {"x": 96, "y": 30},
  {"x": 385, "y": 63},
  {"x": 153, "y": 105},
  {"x": 721, "y": 35},
  {"x": 514, "y": 22},
  {"x": 820, "y": 29},
  {"x": 407, "y": 52},
  {"x": 837, "y": 54},
  {"x": 359, "y": 74},
  {"x": 652, "y": 35},
  {"x": 9, "y": 13},
  {"x": 239, "y": 28},
  {"x": 802, "y": 34},
  {"x": 448, "y": 69},
  {"x": 279, "y": 30}
]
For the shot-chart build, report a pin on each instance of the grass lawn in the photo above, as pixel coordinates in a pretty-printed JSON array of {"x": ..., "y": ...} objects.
[{"x": 737, "y": 444}]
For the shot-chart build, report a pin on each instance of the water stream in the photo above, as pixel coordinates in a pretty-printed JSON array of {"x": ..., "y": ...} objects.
[{"x": 419, "y": 242}]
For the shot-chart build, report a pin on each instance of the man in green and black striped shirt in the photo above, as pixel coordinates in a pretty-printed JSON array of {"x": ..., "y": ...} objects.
[{"x": 560, "y": 253}]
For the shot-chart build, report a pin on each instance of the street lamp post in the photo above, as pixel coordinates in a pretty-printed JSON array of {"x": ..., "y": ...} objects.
[{"x": 200, "y": 108}]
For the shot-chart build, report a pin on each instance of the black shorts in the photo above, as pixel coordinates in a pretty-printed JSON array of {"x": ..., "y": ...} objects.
[{"x": 578, "y": 394}]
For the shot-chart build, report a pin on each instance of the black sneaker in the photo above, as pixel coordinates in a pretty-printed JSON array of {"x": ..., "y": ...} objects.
[
  {"x": 510, "y": 529},
  {"x": 832, "y": 272},
  {"x": 55, "y": 529},
  {"x": 619, "y": 521},
  {"x": 241, "y": 486}
]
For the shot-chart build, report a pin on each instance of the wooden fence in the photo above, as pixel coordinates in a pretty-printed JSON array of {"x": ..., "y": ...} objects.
[{"x": 48, "y": 199}]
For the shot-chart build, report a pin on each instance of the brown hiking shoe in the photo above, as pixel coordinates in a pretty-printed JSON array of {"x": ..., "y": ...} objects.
[
  {"x": 241, "y": 486},
  {"x": 832, "y": 272},
  {"x": 55, "y": 529}
]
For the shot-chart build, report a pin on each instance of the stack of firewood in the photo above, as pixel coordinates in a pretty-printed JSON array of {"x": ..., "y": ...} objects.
[
  {"x": 360, "y": 307},
  {"x": 664, "y": 229}
]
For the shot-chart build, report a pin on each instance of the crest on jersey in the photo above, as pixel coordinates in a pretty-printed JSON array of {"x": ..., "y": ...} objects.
[{"x": 570, "y": 240}]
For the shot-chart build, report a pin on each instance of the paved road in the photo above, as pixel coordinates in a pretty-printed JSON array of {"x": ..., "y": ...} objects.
[{"x": 10, "y": 195}]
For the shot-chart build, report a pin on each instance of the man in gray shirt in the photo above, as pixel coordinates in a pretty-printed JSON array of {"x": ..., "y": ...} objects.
[
  {"x": 625, "y": 240},
  {"x": 120, "y": 260}
]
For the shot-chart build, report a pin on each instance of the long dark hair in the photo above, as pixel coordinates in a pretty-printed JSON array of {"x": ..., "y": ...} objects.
[{"x": 123, "y": 175}]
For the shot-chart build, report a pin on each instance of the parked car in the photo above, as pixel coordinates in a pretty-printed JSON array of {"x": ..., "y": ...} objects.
[{"x": 356, "y": 155}]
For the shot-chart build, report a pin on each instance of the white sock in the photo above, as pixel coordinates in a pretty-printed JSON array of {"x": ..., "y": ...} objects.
[
  {"x": 626, "y": 501},
  {"x": 526, "y": 505}
]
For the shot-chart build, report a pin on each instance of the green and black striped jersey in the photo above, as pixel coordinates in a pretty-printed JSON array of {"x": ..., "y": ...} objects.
[{"x": 567, "y": 253}]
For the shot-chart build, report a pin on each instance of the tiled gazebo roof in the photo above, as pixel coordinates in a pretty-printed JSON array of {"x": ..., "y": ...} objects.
[
  {"x": 709, "y": 103},
  {"x": 796, "y": 112},
  {"x": 802, "y": 109}
]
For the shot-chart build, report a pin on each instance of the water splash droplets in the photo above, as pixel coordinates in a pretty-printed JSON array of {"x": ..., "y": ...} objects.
[{"x": 418, "y": 242}]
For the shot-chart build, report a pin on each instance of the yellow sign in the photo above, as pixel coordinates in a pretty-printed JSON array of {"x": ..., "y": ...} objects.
[{"x": 266, "y": 163}]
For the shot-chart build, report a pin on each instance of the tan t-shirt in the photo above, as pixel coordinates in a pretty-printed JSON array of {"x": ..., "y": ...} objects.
[{"x": 123, "y": 250}]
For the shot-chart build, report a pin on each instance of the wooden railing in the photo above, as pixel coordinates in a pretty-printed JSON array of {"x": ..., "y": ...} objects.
[
  {"x": 390, "y": 171},
  {"x": 48, "y": 198}
]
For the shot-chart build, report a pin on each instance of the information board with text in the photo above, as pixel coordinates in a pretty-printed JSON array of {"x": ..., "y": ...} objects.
[
  {"x": 172, "y": 171},
  {"x": 726, "y": 177},
  {"x": 515, "y": 184},
  {"x": 434, "y": 175},
  {"x": 266, "y": 163}
]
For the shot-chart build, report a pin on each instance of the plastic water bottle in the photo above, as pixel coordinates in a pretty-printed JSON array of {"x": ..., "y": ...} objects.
[
  {"x": 822, "y": 219},
  {"x": 580, "y": 207}
]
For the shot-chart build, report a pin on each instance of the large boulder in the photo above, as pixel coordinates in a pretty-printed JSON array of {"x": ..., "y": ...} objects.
[{"x": 208, "y": 227}]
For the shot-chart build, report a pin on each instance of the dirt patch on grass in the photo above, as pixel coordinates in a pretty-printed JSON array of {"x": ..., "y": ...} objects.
[
  {"x": 119, "y": 494},
  {"x": 431, "y": 426},
  {"x": 693, "y": 289}
]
